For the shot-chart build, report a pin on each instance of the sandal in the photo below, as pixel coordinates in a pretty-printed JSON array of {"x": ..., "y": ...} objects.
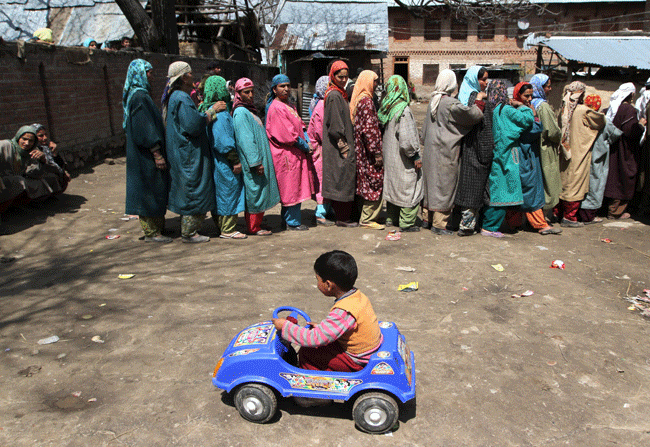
[
  {"x": 235, "y": 235},
  {"x": 497, "y": 234},
  {"x": 550, "y": 230},
  {"x": 595, "y": 221},
  {"x": 262, "y": 232}
]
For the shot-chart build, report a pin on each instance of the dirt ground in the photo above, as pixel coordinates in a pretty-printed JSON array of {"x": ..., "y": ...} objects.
[{"x": 568, "y": 365}]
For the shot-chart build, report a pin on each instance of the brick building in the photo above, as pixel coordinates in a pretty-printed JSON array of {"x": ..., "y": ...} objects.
[{"x": 420, "y": 47}]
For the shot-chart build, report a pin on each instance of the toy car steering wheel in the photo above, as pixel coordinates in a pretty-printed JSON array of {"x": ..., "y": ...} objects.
[{"x": 295, "y": 312}]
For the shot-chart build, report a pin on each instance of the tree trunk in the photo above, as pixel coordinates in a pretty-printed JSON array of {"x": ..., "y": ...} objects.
[
  {"x": 141, "y": 23},
  {"x": 164, "y": 19}
]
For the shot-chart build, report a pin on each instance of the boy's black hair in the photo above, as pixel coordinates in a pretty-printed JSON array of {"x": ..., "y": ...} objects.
[{"x": 337, "y": 266}]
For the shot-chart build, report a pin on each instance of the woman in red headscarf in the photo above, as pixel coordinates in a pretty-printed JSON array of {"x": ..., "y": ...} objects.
[
  {"x": 339, "y": 160},
  {"x": 530, "y": 168}
]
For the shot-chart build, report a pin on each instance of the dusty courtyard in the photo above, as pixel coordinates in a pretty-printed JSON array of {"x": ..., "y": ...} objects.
[{"x": 568, "y": 365}]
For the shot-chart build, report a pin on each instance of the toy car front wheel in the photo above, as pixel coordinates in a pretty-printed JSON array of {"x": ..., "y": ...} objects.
[
  {"x": 256, "y": 402},
  {"x": 375, "y": 412}
]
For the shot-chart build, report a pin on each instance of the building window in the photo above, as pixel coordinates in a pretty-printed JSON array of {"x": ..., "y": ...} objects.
[
  {"x": 431, "y": 29},
  {"x": 581, "y": 24},
  {"x": 402, "y": 28},
  {"x": 458, "y": 29},
  {"x": 485, "y": 31},
  {"x": 430, "y": 73}
]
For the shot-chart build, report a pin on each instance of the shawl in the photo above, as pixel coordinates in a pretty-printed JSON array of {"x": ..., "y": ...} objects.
[
  {"x": 243, "y": 84},
  {"x": 446, "y": 84},
  {"x": 336, "y": 67},
  {"x": 470, "y": 84},
  {"x": 617, "y": 98},
  {"x": 594, "y": 102},
  {"x": 20, "y": 153},
  {"x": 644, "y": 98},
  {"x": 497, "y": 93},
  {"x": 319, "y": 93},
  {"x": 88, "y": 41},
  {"x": 363, "y": 88},
  {"x": 573, "y": 94},
  {"x": 277, "y": 80},
  {"x": 516, "y": 93},
  {"x": 395, "y": 101},
  {"x": 136, "y": 79},
  {"x": 538, "y": 82},
  {"x": 215, "y": 90}
]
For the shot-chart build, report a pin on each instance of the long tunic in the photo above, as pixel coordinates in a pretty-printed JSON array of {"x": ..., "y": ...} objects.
[
  {"x": 261, "y": 191},
  {"x": 401, "y": 143},
  {"x": 508, "y": 124},
  {"x": 530, "y": 169},
  {"x": 367, "y": 144},
  {"x": 315, "y": 133},
  {"x": 147, "y": 188},
  {"x": 623, "y": 159},
  {"x": 584, "y": 127},
  {"x": 228, "y": 186},
  {"x": 339, "y": 174},
  {"x": 24, "y": 174},
  {"x": 293, "y": 167},
  {"x": 476, "y": 161},
  {"x": 190, "y": 160},
  {"x": 550, "y": 155},
  {"x": 441, "y": 157},
  {"x": 600, "y": 166}
]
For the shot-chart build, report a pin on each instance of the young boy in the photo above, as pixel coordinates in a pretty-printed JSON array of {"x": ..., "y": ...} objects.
[{"x": 347, "y": 338}]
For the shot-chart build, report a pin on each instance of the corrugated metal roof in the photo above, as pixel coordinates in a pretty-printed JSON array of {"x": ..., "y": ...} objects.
[
  {"x": 606, "y": 51},
  {"x": 332, "y": 25}
]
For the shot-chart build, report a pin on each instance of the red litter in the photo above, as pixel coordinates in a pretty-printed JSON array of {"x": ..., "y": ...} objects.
[
  {"x": 394, "y": 235},
  {"x": 606, "y": 240},
  {"x": 110, "y": 237},
  {"x": 557, "y": 264}
]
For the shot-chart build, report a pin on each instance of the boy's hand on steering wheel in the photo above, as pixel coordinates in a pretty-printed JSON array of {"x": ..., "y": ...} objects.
[{"x": 278, "y": 323}]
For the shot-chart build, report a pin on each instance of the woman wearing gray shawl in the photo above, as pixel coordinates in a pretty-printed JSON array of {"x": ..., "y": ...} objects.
[{"x": 447, "y": 121}]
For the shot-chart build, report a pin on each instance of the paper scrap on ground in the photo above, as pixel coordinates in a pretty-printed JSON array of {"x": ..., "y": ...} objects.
[
  {"x": 526, "y": 293},
  {"x": 126, "y": 276},
  {"x": 498, "y": 267},
  {"x": 405, "y": 269},
  {"x": 410, "y": 287},
  {"x": 557, "y": 264},
  {"x": 393, "y": 235}
]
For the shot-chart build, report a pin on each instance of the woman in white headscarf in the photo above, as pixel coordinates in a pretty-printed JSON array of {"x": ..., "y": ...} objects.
[{"x": 447, "y": 121}]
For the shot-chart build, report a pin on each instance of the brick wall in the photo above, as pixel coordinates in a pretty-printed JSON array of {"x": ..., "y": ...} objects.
[{"x": 78, "y": 95}]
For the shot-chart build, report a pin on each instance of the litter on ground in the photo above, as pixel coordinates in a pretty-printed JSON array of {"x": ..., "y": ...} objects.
[
  {"x": 498, "y": 267},
  {"x": 410, "y": 287}
]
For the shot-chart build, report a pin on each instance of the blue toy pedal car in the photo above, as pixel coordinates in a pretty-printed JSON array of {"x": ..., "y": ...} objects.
[{"x": 259, "y": 365}]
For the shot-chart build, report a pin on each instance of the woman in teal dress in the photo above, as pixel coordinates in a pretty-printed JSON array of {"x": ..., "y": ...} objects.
[
  {"x": 191, "y": 193},
  {"x": 228, "y": 184},
  {"x": 147, "y": 176}
]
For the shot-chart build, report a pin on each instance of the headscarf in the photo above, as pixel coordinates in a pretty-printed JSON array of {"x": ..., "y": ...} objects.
[
  {"x": 88, "y": 41},
  {"x": 644, "y": 98},
  {"x": 336, "y": 66},
  {"x": 519, "y": 88},
  {"x": 215, "y": 90},
  {"x": 22, "y": 155},
  {"x": 538, "y": 82},
  {"x": 37, "y": 127},
  {"x": 497, "y": 93},
  {"x": 176, "y": 70},
  {"x": 44, "y": 34},
  {"x": 363, "y": 88},
  {"x": 618, "y": 97},
  {"x": 470, "y": 84},
  {"x": 240, "y": 85},
  {"x": 136, "y": 79},
  {"x": 277, "y": 80},
  {"x": 593, "y": 101},
  {"x": 573, "y": 94},
  {"x": 446, "y": 84},
  {"x": 395, "y": 101},
  {"x": 319, "y": 93}
]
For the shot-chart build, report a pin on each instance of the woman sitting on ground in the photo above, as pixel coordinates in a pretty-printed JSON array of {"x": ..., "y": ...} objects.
[{"x": 52, "y": 155}]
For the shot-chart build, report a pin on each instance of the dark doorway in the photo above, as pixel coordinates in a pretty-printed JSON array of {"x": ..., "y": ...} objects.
[{"x": 401, "y": 67}]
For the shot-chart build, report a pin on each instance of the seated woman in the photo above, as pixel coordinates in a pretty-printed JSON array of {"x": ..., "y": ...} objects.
[
  {"x": 52, "y": 156},
  {"x": 24, "y": 172}
]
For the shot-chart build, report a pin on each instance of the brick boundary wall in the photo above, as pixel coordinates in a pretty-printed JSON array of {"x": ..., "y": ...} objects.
[{"x": 78, "y": 94}]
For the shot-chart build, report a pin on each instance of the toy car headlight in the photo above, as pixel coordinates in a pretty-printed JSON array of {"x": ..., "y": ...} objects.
[{"x": 216, "y": 368}]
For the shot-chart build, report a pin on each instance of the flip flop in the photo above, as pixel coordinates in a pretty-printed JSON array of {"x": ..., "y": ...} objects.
[
  {"x": 263, "y": 232},
  {"x": 235, "y": 235}
]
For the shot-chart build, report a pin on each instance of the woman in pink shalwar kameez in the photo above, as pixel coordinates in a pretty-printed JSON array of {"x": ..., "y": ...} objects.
[
  {"x": 315, "y": 134},
  {"x": 291, "y": 153}
]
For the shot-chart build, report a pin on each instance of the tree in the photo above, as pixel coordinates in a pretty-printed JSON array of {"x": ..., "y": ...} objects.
[{"x": 158, "y": 34}]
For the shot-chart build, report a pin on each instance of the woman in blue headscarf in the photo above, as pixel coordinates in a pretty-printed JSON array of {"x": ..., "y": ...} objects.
[
  {"x": 147, "y": 176},
  {"x": 90, "y": 43},
  {"x": 549, "y": 143},
  {"x": 475, "y": 81}
]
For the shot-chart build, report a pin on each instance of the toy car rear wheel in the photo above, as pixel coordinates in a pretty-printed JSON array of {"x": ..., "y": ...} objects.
[
  {"x": 375, "y": 412},
  {"x": 256, "y": 402}
]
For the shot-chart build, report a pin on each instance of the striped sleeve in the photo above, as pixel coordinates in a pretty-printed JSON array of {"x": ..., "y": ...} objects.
[{"x": 337, "y": 323}]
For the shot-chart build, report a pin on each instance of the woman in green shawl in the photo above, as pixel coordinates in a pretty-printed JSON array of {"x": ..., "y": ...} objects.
[
  {"x": 24, "y": 173},
  {"x": 402, "y": 164}
]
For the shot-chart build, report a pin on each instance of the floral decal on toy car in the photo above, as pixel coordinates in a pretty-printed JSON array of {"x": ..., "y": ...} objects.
[
  {"x": 319, "y": 383},
  {"x": 255, "y": 335},
  {"x": 382, "y": 368},
  {"x": 243, "y": 352}
]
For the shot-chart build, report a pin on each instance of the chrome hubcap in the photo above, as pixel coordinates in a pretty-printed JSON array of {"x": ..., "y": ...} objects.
[
  {"x": 252, "y": 405},
  {"x": 375, "y": 416}
]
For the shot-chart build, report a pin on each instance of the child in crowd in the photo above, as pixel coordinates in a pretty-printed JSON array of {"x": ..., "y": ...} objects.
[{"x": 347, "y": 338}]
